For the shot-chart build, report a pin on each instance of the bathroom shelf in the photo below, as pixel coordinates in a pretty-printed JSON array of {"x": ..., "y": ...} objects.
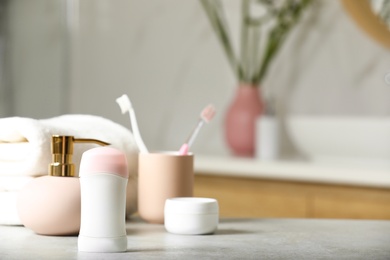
[{"x": 293, "y": 171}]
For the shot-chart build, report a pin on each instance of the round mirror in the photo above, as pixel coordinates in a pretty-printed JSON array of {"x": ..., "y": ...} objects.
[{"x": 373, "y": 16}]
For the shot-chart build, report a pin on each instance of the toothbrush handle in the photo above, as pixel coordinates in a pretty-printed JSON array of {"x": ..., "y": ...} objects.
[
  {"x": 137, "y": 135},
  {"x": 194, "y": 133}
]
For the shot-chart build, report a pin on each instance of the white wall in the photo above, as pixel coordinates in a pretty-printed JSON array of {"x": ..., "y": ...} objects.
[
  {"x": 36, "y": 49},
  {"x": 164, "y": 55},
  {"x": 4, "y": 104}
]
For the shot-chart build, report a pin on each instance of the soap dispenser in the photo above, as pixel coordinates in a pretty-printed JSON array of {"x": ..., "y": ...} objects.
[{"x": 50, "y": 205}]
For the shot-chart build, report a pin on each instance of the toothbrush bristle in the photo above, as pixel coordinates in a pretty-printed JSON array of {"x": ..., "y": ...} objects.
[
  {"x": 124, "y": 103},
  {"x": 208, "y": 113}
]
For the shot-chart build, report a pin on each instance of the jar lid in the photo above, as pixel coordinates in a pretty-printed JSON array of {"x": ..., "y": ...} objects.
[
  {"x": 191, "y": 205},
  {"x": 104, "y": 160}
]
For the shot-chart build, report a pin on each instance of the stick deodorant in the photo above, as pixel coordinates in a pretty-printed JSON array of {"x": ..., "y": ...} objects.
[{"x": 103, "y": 181}]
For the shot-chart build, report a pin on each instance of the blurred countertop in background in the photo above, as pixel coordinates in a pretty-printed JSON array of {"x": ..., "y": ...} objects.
[{"x": 327, "y": 173}]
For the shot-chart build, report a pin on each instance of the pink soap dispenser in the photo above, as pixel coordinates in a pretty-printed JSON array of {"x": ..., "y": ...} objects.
[
  {"x": 103, "y": 181},
  {"x": 50, "y": 205}
]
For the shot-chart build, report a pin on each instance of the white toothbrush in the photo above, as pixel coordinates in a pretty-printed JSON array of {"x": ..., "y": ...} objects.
[
  {"x": 205, "y": 117},
  {"x": 125, "y": 105}
]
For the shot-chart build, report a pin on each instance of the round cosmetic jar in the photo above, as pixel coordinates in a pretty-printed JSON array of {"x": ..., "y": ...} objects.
[{"x": 191, "y": 215}]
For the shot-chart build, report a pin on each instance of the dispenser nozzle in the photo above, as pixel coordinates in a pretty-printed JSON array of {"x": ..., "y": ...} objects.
[{"x": 62, "y": 151}]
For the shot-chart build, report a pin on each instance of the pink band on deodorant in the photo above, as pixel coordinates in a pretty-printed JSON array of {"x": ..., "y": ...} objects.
[{"x": 104, "y": 160}]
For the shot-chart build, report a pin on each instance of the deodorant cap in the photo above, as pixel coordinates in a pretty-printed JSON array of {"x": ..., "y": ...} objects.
[{"x": 104, "y": 160}]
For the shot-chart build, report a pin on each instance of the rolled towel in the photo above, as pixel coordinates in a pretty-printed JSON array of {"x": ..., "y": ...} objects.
[{"x": 25, "y": 147}]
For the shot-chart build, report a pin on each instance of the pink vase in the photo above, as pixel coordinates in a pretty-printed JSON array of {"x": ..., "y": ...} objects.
[{"x": 240, "y": 120}]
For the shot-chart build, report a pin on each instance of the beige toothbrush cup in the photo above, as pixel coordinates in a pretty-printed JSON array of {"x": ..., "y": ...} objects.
[{"x": 162, "y": 175}]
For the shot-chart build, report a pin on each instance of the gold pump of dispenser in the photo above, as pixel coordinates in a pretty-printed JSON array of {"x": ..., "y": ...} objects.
[{"x": 62, "y": 151}]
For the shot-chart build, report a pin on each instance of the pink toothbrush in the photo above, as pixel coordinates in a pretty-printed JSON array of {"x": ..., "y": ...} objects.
[{"x": 205, "y": 117}]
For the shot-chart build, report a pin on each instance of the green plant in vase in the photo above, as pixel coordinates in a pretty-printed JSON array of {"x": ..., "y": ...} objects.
[{"x": 265, "y": 25}]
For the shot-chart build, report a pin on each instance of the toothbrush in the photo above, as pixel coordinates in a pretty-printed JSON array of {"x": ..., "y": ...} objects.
[
  {"x": 125, "y": 105},
  {"x": 205, "y": 117}
]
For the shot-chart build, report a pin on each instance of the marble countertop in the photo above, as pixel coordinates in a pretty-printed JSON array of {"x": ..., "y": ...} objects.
[
  {"x": 234, "y": 239},
  {"x": 345, "y": 174}
]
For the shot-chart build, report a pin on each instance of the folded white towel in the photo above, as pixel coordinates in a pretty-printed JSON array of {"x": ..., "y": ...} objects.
[
  {"x": 8, "y": 210},
  {"x": 9, "y": 190},
  {"x": 25, "y": 147}
]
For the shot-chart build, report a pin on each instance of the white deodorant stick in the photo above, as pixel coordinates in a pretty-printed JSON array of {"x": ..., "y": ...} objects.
[{"x": 103, "y": 181}]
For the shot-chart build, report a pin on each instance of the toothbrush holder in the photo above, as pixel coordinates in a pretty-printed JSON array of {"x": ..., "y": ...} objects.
[{"x": 161, "y": 176}]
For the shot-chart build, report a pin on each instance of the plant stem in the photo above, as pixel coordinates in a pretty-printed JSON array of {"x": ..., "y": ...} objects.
[
  {"x": 278, "y": 34},
  {"x": 245, "y": 63},
  {"x": 255, "y": 57},
  {"x": 216, "y": 17},
  {"x": 251, "y": 66}
]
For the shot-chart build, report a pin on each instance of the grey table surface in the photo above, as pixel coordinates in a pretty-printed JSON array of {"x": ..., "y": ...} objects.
[{"x": 234, "y": 239}]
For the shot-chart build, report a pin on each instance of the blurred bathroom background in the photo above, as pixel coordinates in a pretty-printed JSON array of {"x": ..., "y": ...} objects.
[{"x": 59, "y": 57}]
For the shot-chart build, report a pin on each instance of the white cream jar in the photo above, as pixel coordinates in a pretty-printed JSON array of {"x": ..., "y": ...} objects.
[{"x": 191, "y": 216}]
